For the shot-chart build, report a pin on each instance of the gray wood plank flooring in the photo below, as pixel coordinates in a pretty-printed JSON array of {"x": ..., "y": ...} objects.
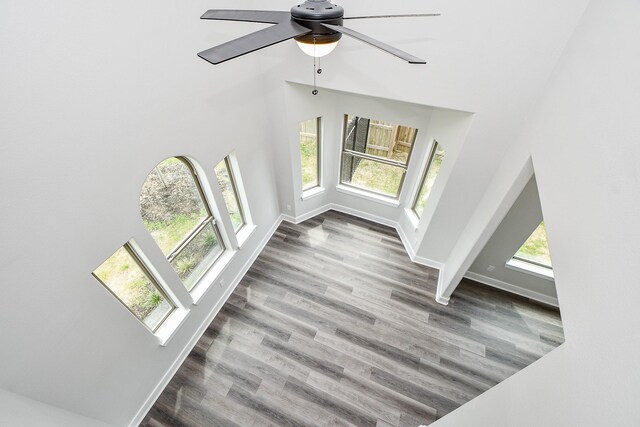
[{"x": 334, "y": 325}]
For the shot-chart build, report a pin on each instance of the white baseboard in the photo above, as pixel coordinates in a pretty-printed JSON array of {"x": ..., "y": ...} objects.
[
  {"x": 428, "y": 262},
  {"x": 288, "y": 218},
  {"x": 232, "y": 286},
  {"x": 364, "y": 215},
  {"x": 405, "y": 242},
  {"x": 424, "y": 261},
  {"x": 499, "y": 284},
  {"x": 340, "y": 208},
  {"x": 196, "y": 336},
  {"x": 307, "y": 215},
  {"x": 408, "y": 246},
  {"x": 442, "y": 300},
  {"x": 384, "y": 221}
]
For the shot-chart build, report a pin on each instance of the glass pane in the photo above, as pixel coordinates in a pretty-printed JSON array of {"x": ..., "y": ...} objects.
[
  {"x": 170, "y": 203},
  {"x": 378, "y": 138},
  {"x": 535, "y": 249},
  {"x": 371, "y": 175},
  {"x": 229, "y": 193},
  {"x": 122, "y": 275},
  {"x": 197, "y": 256},
  {"x": 309, "y": 153},
  {"x": 429, "y": 179}
]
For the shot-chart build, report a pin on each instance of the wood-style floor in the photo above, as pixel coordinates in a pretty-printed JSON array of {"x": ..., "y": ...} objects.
[{"x": 334, "y": 325}]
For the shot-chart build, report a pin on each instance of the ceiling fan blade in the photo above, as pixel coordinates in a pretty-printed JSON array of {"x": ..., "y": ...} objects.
[
  {"x": 260, "y": 39},
  {"x": 265, "y": 16},
  {"x": 410, "y": 15},
  {"x": 373, "y": 42}
]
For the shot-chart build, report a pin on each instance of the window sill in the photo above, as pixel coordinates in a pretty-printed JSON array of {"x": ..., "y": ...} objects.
[
  {"x": 170, "y": 326},
  {"x": 529, "y": 268},
  {"x": 413, "y": 218},
  {"x": 312, "y": 192},
  {"x": 244, "y": 234},
  {"x": 385, "y": 200},
  {"x": 207, "y": 281}
]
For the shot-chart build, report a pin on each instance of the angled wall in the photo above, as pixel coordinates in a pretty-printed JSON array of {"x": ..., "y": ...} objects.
[
  {"x": 490, "y": 267},
  {"x": 583, "y": 139}
]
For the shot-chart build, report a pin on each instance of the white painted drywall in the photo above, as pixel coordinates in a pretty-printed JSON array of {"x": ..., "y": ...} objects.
[
  {"x": 583, "y": 138},
  {"x": 16, "y": 410},
  {"x": 522, "y": 219},
  {"x": 94, "y": 95},
  {"x": 447, "y": 126},
  {"x": 488, "y": 59}
]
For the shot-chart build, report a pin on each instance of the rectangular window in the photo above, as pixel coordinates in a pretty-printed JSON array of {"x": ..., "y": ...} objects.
[
  {"x": 375, "y": 155},
  {"x": 535, "y": 249},
  {"x": 126, "y": 277},
  {"x": 310, "y": 153},
  {"x": 434, "y": 162},
  {"x": 224, "y": 174}
]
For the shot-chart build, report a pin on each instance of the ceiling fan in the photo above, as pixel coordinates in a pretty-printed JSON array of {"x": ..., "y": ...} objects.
[{"x": 316, "y": 25}]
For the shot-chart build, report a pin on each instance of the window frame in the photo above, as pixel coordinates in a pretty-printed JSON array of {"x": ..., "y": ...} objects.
[
  {"x": 527, "y": 267},
  {"x": 432, "y": 154},
  {"x": 528, "y": 261},
  {"x": 318, "y": 183},
  {"x": 530, "y": 266},
  {"x": 370, "y": 157},
  {"x": 209, "y": 219},
  {"x": 152, "y": 278},
  {"x": 236, "y": 193}
]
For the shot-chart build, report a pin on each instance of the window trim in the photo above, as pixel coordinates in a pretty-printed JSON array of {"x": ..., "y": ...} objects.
[
  {"x": 236, "y": 194},
  {"x": 365, "y": 156},
  {"x": 209, "y": 219},
  {"x": 528, "y": 261},
  {"x": 432, "y": 154},
  {"x": 319, "y": 162},
  {"x": 147, "y": 272},
  {"x": 528, "y": 267}
]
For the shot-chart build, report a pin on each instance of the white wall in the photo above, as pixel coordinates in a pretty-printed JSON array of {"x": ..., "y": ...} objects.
[
  {"x": 94, "y": 94},
  {"x": 16, "y": 410},
  {"x": 522, "y": 219},
  {"x": 490, "y": 59},
  {"x": 583, "y": 138}
]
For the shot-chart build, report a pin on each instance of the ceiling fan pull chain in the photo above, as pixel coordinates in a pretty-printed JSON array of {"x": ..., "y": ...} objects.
[{"x": 315, "y": 90}]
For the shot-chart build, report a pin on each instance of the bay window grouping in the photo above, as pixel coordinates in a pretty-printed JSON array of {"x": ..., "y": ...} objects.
[{"x": 374, "y": 158}]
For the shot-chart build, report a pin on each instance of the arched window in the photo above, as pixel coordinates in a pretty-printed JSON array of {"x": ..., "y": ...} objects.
[{"x": 176, "y": 213}]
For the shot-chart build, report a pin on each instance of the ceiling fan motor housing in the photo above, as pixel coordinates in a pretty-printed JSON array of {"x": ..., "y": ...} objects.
[{"x": 312, "y": 14}]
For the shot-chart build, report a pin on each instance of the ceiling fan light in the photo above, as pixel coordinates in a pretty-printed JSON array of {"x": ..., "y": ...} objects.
[{"x": 317, "y": 50}]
